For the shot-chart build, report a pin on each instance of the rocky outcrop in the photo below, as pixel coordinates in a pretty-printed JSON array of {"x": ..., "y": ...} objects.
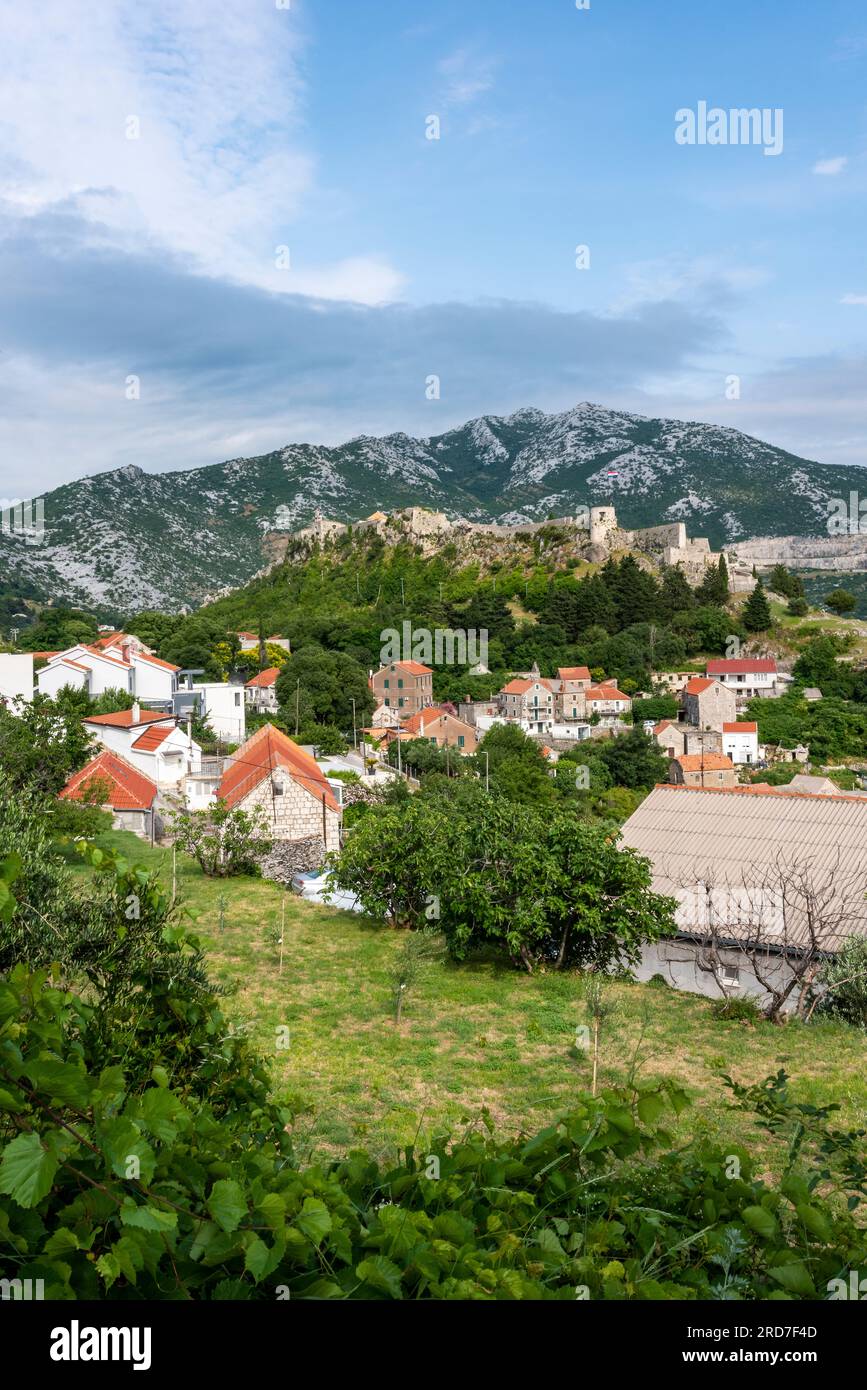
[{"x": 839, "y": 553}]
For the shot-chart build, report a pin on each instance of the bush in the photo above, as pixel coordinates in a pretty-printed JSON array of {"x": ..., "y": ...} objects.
[
  {"x": 843, "y": 983},
  {"x": 740, "y": 1009}
]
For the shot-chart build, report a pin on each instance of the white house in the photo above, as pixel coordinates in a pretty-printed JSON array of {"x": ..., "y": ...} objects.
[
  {"x": 261, "y": 692},
  {"x": 740, "y": 741},
  {"x": 16, "y": 677},
  {"x": 746, "y": 676},
  {"x": 221, "y": 705},
  {"x": 150, "y": 741},
  {"x": 110, "y": 666}
]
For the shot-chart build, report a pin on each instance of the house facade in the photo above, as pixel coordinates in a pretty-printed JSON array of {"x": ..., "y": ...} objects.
[
  {"x": 747, "y": 677},
  {"x": 442, "y": 728},
  {"x": 285, "y": 783},
  {"x": 707, "y": 704},
  {"x": 149, "y": 741},
  {"x": 116, "y": 663},
  {"x": 570, "y": 694},
  {"x": 608, "y": 702},
  {"x": 404, "y": 686},
  {"x": 740, "y": 742},
  {"x": 528, "y": 702},
  {"x": 260, "y": 693},
  {"x": 702, "y": 770}
]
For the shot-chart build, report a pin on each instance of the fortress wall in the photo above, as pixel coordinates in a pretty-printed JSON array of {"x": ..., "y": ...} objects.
[{"x": 657, "y": 537}]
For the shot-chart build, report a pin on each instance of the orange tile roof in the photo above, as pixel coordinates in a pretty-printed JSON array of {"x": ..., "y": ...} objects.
[
  {"x": 518, "y": 687},
  {"x": 155, "y": 661},
  {"x": 68, "y": 661},
  {"x": 746, "y": 727},
  {"x": 606, "y": 692},
  {"x": 573, "y": 673},
  {"x": 422, "y": 717},
  {"x": 264, "y": 678},
  {"x": 704, "y": 762},
  {"x": 130, "y": 789},
  {"x": 122, "y": 718},
  {"x": 104, "y": 656},
  {"x": 152, "y": 738},
  {"x": 415, "y": 668},
  {"x": 255, "y": 760},
  {"x": 663, "y": 724},
  {"x": 43, "y": 656},
  {"x": 698, "y": 685}
]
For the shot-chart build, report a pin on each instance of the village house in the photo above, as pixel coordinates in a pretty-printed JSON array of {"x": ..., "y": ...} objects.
[
  {"x": 737, "y": 861},
  {"x": 149, "y": 741},
  {"x": 670, "y": 682},
  {"x": 443, "y": 728},
  {"x": 250, "y": 641},
  {"x": 481, "y": 714},
  {"x": 570, "y": 693},
  {"x": 122, "y": 789},
  {"x": 406, "y": 686},
  {"x": 746, "y": 676},
  {"x": 261, "y": 692},
  {"x": 220, "y": 704},
  {"x": 16, "y": 678},
  {"x": 529, "y": 703},
  {"x": 284, "y": 781},
  {"x": 675, "y": 738},
  {"x": 707, "y": 704},
  {"x": 702, "y": 770},
  {"x": 608, "y": 702},
  {"x": 740, "y": 741},
  {"x": 118, "y": 663}
]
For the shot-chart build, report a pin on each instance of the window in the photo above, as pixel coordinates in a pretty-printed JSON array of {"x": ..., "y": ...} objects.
[
  {"x": 400, "y": 685},
  {"x": 400, "y": 703},
  {"x": 432, "y": 740},
  {"x": 276, "y": 787},
  {"x": 237, "y": 697},
  {"x": 731, "y": 976},
  {"x": 385, "y": 683},
  {"x": 461, "y": 740},
  {"x": 387, "y": 702}
]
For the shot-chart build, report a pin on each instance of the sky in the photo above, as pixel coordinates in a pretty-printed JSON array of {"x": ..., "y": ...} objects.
[{"x": 228, "y": 228}]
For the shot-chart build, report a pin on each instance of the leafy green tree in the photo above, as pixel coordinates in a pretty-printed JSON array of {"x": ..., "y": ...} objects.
[
  {"x": 223, "y": 840},
  {"x": 841, "y": 601},
  {"x": 797, "y": 607},
  {"x": 324, "y": 685},
  {"x": 714, "y": 588},
  {"x": 756, "y": 616},
  {"x": 676, "y": 594},
  {"x": 634, "y": 760},
  {"x": 42, "y": 744}
]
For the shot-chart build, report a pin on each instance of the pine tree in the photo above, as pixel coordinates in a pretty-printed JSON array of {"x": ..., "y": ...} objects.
[
  {"x": 757, "y": 613},
  {"x": 676, "y": 596},
  {"x": 714, "y": 588}
]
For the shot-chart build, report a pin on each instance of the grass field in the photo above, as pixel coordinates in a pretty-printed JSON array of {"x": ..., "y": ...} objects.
[{"x": 473, "y": 1037}]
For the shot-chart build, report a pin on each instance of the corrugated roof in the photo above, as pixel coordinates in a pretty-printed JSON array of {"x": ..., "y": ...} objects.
[
  {"x": 749, "y": 836},
  {"x": 130, "y": 789}
]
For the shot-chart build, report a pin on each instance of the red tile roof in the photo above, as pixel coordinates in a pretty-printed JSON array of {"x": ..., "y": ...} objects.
[
  {"x": 704, "y": 762},
  {"x": 606, "y": 692},
  {"x": 68, "y": 661},
  {"x": 122, "y": 718},
  {"x": 44, "y": 656},
  {"x": 152, "y": 738},
  {"x": 698, "y": 685},
  {"x": 415, "y": 668},
  {"x": 746, "y": 727},
  {"x": 417, "y": 722},
  {"x": 130, "y": 789},
  {"x": 264, "y": 678},
  {"x": 104, "y": 656},
  {"x": 663, "y": 724},
  {"x": 742, "y": 666},
  {"x": 517, "y": 687},
  {"x": 573, "y": 673},
  {"x": 155, "y": 661},
  {"x": 257, "y": 758}
]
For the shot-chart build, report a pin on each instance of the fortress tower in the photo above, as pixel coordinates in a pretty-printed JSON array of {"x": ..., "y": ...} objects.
[{"x": 603, "y": 522}]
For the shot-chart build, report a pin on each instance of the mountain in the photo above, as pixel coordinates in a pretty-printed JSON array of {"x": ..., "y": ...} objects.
[{"x": 126, "y": 539}]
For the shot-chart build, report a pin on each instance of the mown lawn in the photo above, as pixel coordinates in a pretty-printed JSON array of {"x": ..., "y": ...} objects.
[{"x": 474, "y": 1037}]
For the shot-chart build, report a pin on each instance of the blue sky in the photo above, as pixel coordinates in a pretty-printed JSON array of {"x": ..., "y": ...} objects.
[{"x": 258, "y": 128}]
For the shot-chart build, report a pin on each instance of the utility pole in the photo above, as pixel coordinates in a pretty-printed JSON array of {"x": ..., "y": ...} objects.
[
  {"x": 354, "y": 736},
  {"x": 487, "y": 771},
  {"x": 399, "y": 768},
  {"x": 402, "y": 599},
  {"x": 297, "y": 701}
]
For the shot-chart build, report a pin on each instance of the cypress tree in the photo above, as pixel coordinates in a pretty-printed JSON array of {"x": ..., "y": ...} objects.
[{"x": 757, "y": 613}]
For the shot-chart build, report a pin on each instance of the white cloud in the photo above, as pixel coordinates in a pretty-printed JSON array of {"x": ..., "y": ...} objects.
[
  {"x": 831, "y": 166},
  {"x": 467, "y": 76},
  {"x": 854, "y": 299},
  {"x": 219, "y": 171}
]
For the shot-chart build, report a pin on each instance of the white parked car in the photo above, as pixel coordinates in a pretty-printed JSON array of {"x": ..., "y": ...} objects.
[{"x": 314, "y": 886}]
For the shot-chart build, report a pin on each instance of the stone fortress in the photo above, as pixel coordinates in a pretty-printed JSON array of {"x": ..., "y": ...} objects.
[{"x": 596, "y": 530}]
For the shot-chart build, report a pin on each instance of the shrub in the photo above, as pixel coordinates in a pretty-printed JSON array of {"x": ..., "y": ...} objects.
[
  {"x": 739, "y": 1009},
  {"x": 843, "y": 984}
]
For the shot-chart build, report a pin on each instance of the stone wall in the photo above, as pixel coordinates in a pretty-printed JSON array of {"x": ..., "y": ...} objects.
[{"x": 294, "y": 813}]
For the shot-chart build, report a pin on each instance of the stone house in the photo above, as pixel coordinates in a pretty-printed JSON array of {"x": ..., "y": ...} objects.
[
  {"x": 746, "y": 676},
  {"x": 702, "y": 770},
  {"x": 675, "y": 739},
  {"x": 529, "y": 703},
  {"x": 405, "y": 686},
  {"x": 608, "y": 702},
  {"x": 129, "y": 795},
  {"x": 444, "y": 729},
  {"x": 570, "y": 693},
  {"x": 707, "y": 704},
  {"x": 271, "y": 772}
]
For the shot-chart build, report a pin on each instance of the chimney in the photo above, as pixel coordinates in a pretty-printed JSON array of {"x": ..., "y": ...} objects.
[
  {"x": 124, "y": 650},
  {"x": 136, "y": 712}
]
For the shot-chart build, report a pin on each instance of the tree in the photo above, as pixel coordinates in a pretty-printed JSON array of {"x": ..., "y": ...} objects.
[
  {"x": 841, "y": 601},
  {"x": 714, "y": 588},
  {"x": 757, "y": 613},
  {"x": 797, "y": 607},
  {"x": 41, "y": 744},
  {"x": 634, "y": 760},
  {"x": 223, "y": 840},
  {"x": 676, "y": 595},
  {"x": 329, "y": 681}
]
